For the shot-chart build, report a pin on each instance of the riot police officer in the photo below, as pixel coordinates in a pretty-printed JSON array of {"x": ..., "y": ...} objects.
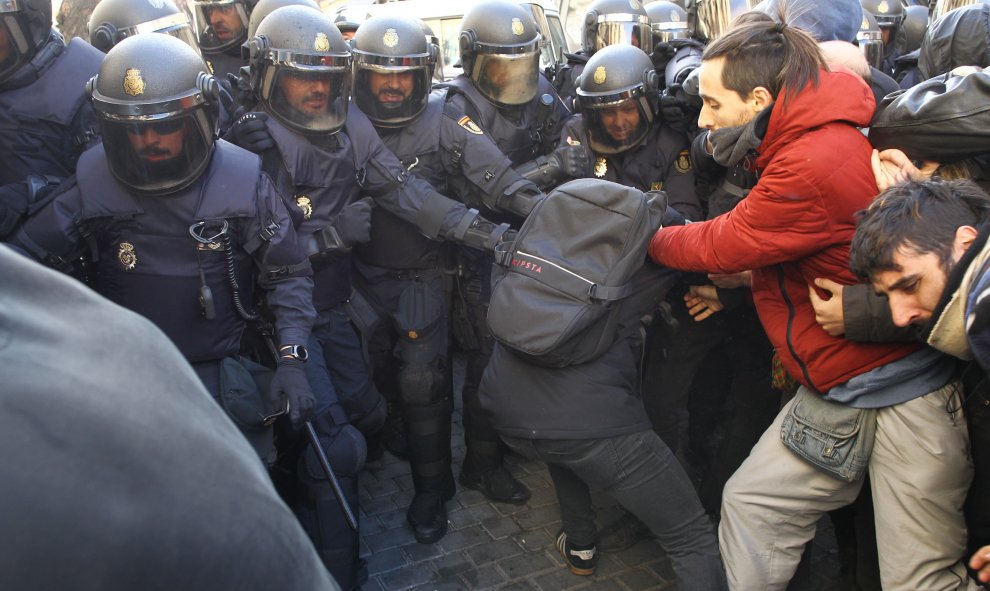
[
  {"x": 619, "y": 124},
  {"x": 175, "y": 221},
  {"x": 400, "y": 269},
  {"x": 606, "y": 22},
  {"x": 45, "y": 123},
  {"x": 889, "y": 15},
  {"x": 222, "y": 27},
  {"x": 113, "y": 21},
  {"x": 326, "y": 156}
]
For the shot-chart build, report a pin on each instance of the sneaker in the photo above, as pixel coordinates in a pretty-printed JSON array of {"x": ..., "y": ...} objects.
[
  {"x": 581, "y": 560},
  {"x": 498, "y": 485},
  {"x": 623, "y": 533}
]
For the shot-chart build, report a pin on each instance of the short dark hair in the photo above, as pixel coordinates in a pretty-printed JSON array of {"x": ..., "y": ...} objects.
[
  {"x": 760, "y": 51},
  {"x": 920, "y": 216}
]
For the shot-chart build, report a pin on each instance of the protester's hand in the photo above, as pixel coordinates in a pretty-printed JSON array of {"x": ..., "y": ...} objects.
[
  {"x": 892, "y": 166},
  {"x": 290, "y": 384},
  {"x": 828, "y": 312},
  {"x": 980, "y": 562},
  {"x": 572, "y": 160},
  {"x": 353, "y": 224},
  {"x": 732, "y": 280},
  {"x": 250, "y": 133},
  {"x": 702, "y": 301}
]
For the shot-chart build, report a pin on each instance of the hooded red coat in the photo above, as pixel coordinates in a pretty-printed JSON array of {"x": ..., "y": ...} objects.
[{"x": 795, "y": 225}]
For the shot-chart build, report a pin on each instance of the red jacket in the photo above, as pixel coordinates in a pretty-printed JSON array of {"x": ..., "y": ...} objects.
[{"x": 795, "y": 225}]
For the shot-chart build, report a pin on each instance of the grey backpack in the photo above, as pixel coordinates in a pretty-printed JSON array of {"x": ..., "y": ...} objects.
[{"x": 557, "y": 288}]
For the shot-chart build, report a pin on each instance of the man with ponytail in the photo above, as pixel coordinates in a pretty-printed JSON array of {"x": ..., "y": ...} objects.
[{"x": 772, "y": 104}]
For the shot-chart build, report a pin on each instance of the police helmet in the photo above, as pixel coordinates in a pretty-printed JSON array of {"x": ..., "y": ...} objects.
[
  {"x": 500, "y": 51},
  {"x": 157, "y": 105},
  {"x": 715, "y": 16},
  {"x": 301, "y": 69},
  {"x": 668, "y": 21},
  {"x": 618, "y": 92},
  {"x": 393, "y": 67},
  {"x": 25, "y": 26},
  {"x": 870, "y": 40},
  {"x": 889, "y": 13},
  {"x": 433, "y": 40},
  {"x": 113, "y": 21},
  {"x": 349, "y": 18},
  {"x": 221, "y": 24},
  {"x": 608, "y": 22},
  {"x": 265, "y": 7},
  {"x": 913, "y": 30}
]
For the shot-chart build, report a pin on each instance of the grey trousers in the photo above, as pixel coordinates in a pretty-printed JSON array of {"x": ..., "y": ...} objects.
[{"x": 920, "y": 472}]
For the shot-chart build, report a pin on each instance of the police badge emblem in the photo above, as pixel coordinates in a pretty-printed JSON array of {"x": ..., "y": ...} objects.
[
  {"x": 127, "y": 256},
  {"x": 634, "y": 5},
  {"x": 159, "y": 4},
  {"x": 600, "y": 75},
  {"x": 656, "y": 186},
  {"x": 883, "y": 7},
  {"x": 209, "y": 65},
  {"x": 133, "y": 82},
  {"x": 305, "y": 205},
  {"x": 321, "y": 43},
  {"x": 391, "y": 38},
  {"x": 674, "y": 17},
  {"x": 601, "y": 167},
  {"x": 517, "y": 27},
  {"x": 469, "y": 125},
  {"x": 683, "y": 163}
]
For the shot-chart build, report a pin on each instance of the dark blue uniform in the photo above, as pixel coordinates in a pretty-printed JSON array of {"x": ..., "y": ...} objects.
[
  {"x": 403, "y": 274},
  {"x": 146, "y": 260},
  {"x": 319, "y": 178}
]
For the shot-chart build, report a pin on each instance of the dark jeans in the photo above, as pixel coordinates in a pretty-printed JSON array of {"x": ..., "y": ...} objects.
[{"x": 641, "y": 473}]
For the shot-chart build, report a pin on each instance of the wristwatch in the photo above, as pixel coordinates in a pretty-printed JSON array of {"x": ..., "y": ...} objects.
[{"x": 297, "y": 352}]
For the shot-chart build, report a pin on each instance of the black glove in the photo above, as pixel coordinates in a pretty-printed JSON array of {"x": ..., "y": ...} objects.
[
  {"x": 571, "y": 160},
  {"x": 353, "y": 223},
  {"x": 290, "y": 384},
  {"x": 663, "y": 52},
  {"x": 250, "y": 133}
]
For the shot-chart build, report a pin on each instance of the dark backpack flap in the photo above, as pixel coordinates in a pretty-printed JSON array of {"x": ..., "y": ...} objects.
[{"x": 556, "y": 288}]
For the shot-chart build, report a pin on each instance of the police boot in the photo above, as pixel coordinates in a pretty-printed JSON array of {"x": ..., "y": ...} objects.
[
  {"x": 429, "y": 453},
  {"x": 319, "y": 510},
  {"x": 483, "y": 469}
]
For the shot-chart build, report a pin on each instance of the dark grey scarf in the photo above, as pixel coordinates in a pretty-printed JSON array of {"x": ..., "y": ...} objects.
[{"x": 731, "y": 144}]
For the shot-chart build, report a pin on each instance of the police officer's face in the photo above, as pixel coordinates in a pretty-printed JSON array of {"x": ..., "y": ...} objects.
[
  {"x": 621, "y": 122},
  {"x": 390, "y": 90},
  {"x": 721, "y": 106},
  {"x": 225, "y": 21},
  {"x": 158, "y": 143},
  {"x": 308, "y": 93}
]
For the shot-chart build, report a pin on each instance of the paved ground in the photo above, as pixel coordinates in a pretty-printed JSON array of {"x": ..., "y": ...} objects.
[{"x": 498, "y": 546}]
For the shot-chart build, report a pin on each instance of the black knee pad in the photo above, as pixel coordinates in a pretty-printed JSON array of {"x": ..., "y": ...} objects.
[
  {"x": 422, "y": 385},
  {"x": 344, "y": 447},
  {"x": 373, "y": 418}
]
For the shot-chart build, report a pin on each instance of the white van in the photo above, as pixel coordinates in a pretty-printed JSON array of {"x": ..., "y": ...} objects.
[{"x": 444, "y": 17}]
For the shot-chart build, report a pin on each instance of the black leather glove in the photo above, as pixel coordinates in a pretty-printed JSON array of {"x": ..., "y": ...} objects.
[
  {"x": 663, "y": 52},
  {"x": 290, "y": 384},
  {"x": 571, "y": 160},
  {"x": 353, "y": 223},
  {"x": 250, "y": 133}
]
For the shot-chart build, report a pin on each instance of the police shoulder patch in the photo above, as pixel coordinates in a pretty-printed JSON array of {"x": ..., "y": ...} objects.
[
  {"x": 469, "y": 125},
  {"x": 683, "y": 162}
]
